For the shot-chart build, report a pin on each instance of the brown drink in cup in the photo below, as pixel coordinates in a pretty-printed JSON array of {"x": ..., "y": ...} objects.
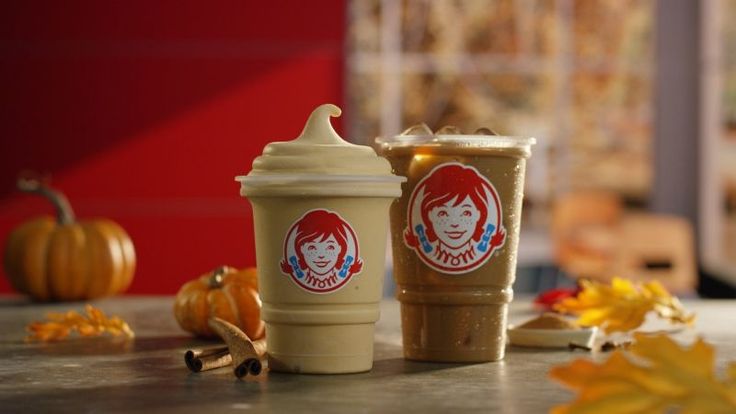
[{"x": 455, "y": 233}]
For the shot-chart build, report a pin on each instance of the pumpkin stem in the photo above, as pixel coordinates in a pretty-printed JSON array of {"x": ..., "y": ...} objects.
[
  {"x": 216, "y": 279},
  {"x": 64, "y": 212}
]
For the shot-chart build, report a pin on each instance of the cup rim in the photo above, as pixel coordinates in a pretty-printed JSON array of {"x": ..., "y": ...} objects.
[
  {"x": 271, "y": 179},
  {"x": 463, "y": 140}
]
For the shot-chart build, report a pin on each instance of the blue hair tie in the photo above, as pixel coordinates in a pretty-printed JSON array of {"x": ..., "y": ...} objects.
[
  {"x": 345, "y": 266},
  {"x": 295, "y": 267},
  {"x": 483, "y": 245},
  {"x": 423, "y": 238}
]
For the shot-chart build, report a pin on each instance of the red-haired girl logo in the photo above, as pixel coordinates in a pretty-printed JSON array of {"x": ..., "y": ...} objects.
[
  {"x": 321, "y": 252},
  {"x": 454, "y": 219}
]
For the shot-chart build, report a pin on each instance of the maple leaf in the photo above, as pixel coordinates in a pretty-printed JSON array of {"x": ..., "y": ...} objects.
[
  {"x": 658, "y": 375},
  {"x": 622, "y": 305},
  {"x": 61, "y": 325}
]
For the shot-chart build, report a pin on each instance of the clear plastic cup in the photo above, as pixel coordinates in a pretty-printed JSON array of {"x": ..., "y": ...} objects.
[{"x": 455, "y": 233}]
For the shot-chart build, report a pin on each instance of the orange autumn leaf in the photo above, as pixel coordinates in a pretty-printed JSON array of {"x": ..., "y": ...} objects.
[
  {"x": 60, "y": 325},
  {"x": 657, "y": 376},
  {"x": 622, "y": 305}
]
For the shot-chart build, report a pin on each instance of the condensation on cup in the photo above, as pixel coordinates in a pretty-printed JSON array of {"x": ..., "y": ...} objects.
[{"x": 455, "y": 232}]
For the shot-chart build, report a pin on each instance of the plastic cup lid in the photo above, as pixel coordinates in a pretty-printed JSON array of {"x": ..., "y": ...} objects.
[
  {"x": 271, "y": 179},
  {"x": 420, "y": 135}
]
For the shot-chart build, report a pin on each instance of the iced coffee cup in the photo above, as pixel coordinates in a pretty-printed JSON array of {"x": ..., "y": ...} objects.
[
  {"x": 320, "y": 211},
  {"x": 455, "y": 233}
]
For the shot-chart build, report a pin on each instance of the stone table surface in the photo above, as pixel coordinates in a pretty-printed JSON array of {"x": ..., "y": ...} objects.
[{"x": 148, "y": 373}]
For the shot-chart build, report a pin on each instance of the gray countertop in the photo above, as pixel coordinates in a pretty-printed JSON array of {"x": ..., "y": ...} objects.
[{"x": 148, "y": 373}]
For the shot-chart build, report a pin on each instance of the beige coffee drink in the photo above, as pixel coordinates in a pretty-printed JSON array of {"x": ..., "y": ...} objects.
[
  {"x": 455, "y": 233},
  {"x": 320, "y": 209}
]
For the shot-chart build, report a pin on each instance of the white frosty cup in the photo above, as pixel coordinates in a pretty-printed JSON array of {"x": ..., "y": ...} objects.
[{"x": 320, "y": 210}]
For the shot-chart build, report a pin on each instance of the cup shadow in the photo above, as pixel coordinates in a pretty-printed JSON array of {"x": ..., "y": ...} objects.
[{"x": 402, "y": 366}]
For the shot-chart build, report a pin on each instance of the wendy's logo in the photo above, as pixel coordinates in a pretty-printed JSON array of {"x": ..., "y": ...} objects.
[
  {"x": 454, "y": 219},
  {"x": 321, "y": 252}
]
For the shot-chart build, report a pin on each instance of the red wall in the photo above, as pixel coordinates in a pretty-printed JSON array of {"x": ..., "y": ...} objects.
[{"x": 144, "y": 111}]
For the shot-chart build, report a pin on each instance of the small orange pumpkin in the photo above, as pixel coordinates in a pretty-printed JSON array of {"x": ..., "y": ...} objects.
[
  {"x": 62, "y": 259},
  {"x": 225, "y": 292}
]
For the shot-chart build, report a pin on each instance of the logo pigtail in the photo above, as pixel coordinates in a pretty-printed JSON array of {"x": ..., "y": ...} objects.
[
  {"x": 348, "y": 267},
  {"x": 292, "y": 267},
  {"x": 426, "y": 246},
  {"x": 285, "y": 267},
  {"x": 410, "y": 238},
  {"x": 486, "y": 238},
  {"x": 498, "y": 238},
  {"x": 345, "y": 267}
]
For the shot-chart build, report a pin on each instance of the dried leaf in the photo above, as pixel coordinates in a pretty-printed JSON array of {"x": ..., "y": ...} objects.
[
  {"x": 61, "y": 325},
  {"x": 658, "y": 375},
  {"x": 623, "y": 306},
  {"x": 547, "y": 299}
]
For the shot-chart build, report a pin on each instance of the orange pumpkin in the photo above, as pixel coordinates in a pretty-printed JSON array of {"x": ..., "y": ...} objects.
[
  {"x": 227, "y": 293},
  {"x": 61, "y": 259}
]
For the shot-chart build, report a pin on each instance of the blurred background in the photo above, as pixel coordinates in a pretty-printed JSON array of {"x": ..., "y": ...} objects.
[{"x": 144, "y": 111}]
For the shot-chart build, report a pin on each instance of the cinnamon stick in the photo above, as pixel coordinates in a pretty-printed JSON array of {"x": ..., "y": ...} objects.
[
  {"x": 246, "y": 354},
  {"x": 208, "y": 358},
  {"x": 253, "y": 365},
  {"x": 204, "y": 352},
  {"x": 212, "y": 362}
]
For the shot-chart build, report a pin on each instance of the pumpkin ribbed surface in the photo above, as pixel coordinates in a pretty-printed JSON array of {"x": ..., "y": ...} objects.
[
  {"x": 78, "y": 261},
  {"x": 226, "y": 293}
]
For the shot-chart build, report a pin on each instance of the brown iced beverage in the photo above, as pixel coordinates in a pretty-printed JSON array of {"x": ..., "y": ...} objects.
[{"x": 455, "y": 233}]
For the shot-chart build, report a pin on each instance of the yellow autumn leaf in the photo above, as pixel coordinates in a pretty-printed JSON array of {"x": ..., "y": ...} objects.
[
  {"x": 658, "y": 376},
  {"x": 622, "y": 305},
  {"x": 61, "y": 325}
]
